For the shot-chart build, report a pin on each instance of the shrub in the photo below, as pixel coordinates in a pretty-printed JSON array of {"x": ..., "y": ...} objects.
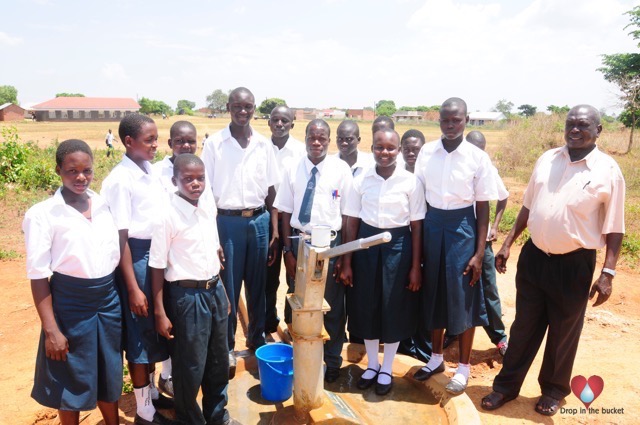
[{"x": 25, "y": 163}]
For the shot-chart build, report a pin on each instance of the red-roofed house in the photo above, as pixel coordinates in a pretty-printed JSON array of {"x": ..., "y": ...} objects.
[{"x": 85, "y": 109}]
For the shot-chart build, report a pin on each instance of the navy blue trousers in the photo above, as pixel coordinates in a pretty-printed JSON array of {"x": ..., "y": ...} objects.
[
  {"x": 199, "y": 352},
  {"x": 245, "y": 241},
  {"x": 495, "y": 329}
]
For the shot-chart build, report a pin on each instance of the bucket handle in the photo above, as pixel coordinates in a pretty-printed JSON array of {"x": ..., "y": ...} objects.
[{"x": 279, "y": 372}]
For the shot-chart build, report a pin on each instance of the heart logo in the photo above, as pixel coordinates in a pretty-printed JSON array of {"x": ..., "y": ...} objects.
[{"x": 587, "y": 390}]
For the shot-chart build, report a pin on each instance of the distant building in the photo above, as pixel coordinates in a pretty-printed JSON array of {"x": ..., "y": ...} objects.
[
  {"x": 331, "y": 114},
  {"x": 11, "y": 112},
  {"x": 85, "y": 109},
  {"x": 361, "y": 114},
  {"x": 484, "y": 118},
  {"x": 408, "y": 116}
]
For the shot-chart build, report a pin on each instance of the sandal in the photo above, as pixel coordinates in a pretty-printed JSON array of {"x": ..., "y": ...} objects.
[
  {"x": 547, "y": 405},
  {"x": 495, "y": 400}
]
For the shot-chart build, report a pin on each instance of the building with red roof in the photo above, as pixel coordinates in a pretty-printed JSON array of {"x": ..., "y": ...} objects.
[{"x": 85, "y": 109}]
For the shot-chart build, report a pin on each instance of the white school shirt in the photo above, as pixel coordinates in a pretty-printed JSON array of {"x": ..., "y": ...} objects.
[
  {"x": 134, "y": 197},
  {"x": 333, "y": 183},
  {"x": 387, "y": 204},
  {"x": 240, "y": 178},
  {"x": 292, "y": 151},
  {"x": 363, "y": 161},
  {"x": 185, "y": 242},
  {"x": 60, "y": 239},
  {"x": 455, "y": 180}
]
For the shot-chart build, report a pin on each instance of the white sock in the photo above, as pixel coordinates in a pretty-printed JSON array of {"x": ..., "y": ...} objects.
[
  {"x": 144, "y": 407},
  {"x": 387, "y": 362},
  {"x": 462, "y": 374},
  {"x": 165, "y": 373},
  {"x": 371, "y": 346},
  {"x": 434, "y": 362},
  {"x": 153, "y": 390}
]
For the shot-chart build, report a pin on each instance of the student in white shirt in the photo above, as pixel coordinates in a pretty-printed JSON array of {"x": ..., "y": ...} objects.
[
  {"x": 72, "y": 252},
  {"x": 182, "y": 139},
  {"x": 288, "y": 152},
  {"x": 332, "y": 183},
  {"x": 348, "y": 139},
  {"x": 455, "y": 175},
  {"x": 243, "y": 171},
  {"x": 191, "y": 305},
  {"x": 383, "y": 298},
  {"x": 135, "y": 195}
]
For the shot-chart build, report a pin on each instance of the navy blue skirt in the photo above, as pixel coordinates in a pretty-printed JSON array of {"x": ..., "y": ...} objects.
[
  {"x": 448, "y": 301},
  {"x": 143, "y": 345},
  {"x": 88, "y": 314},
  {"x": 379, "y": 305}
]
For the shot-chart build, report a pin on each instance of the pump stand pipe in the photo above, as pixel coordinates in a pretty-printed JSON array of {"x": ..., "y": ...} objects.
[{"x": 308, "y": 307}]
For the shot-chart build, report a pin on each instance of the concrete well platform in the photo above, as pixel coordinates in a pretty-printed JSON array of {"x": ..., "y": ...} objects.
[{"x": 409, "y": 402}]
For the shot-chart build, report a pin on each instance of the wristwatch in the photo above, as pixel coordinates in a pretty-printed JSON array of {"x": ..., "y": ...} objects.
[
  {"x": 286, "y": 249},
  {"x": 609, "y": 271}
]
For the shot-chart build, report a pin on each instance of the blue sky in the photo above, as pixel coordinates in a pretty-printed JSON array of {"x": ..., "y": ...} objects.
[{"x": 321, "y": 54}]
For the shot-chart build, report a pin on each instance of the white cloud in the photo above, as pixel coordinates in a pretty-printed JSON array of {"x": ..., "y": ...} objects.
[
  {"x": 203, "y": 32},
  {"x": 7, "y": 40},
  {"x": 114, "y": 71}
]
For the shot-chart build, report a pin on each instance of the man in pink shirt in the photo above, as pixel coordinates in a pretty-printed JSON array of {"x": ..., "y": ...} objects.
[{"x": 573, "y": 205}]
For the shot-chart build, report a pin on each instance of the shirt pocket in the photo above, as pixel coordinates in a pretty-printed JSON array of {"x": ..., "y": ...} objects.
[{"x": 585, "y": 202}]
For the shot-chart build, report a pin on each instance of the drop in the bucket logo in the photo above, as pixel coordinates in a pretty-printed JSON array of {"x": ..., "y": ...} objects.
[{"x": 587, "y": 390}]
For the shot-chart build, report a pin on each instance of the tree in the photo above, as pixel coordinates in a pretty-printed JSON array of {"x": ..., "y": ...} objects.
[
  {"x": 503, "y": 106},
  {"x": 623, "y": 70},
  {"x": 217, "y": 101},
  {"x": 386, "y": 107},
  {"x": 150, "y": 106},
  {"x": 558, "y": 109},
  {"x": 527, "y": 110},
  {"x": 185, "y": 107},
  {"x": 69, "y": 95},
  {"x": 8, "y": 94},
  {"x": 267, "y": 105}
]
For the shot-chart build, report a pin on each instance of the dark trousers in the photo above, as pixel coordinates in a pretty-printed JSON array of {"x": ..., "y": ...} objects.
[
  {"x": 418, "y": 346},
  {"x": 495, "y": 329},
  {"x": 245, "y": 241},
  {"x": 273, "y": 282},
  {"x": 199, "y": 352},
  {"x": 552, "y": 294},
  {"x": 335, "y": 319}
]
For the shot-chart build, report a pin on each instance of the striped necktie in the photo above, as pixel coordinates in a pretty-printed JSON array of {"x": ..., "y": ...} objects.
[{"x": 307, "y": 201}]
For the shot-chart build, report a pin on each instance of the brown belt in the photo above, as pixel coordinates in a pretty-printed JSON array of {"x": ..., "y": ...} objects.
[
  {"x": 198, "y": 284},
  {"x": 243, "y": 213}
]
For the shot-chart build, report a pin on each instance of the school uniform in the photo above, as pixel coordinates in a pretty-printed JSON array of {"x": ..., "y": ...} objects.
[
  {"x": 185, "y": 243},
  {"x": 495, "y": 329},
  {"x": 292, "y": 151},
  {"x": 363, "y": 161},
  {"x": 453, "y": 181},
  {"x": 79, "y": 257},
  {"x": 135, "y": 198},
  {"x": 240, "y": 180},
  {"x": 333, "y": 183},
  {"x": 379, "y": 305}
]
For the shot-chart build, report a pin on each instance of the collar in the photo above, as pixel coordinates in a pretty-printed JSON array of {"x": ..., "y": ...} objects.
[
  {"x": 590, "y": 160},
  {"x": 308, "y": 165},
  {"x": 186, "y": 209},
  {"x": 96, "y": 201},
  {"x": 371, "y": 172},
  {"x": 133, "y": 167}
]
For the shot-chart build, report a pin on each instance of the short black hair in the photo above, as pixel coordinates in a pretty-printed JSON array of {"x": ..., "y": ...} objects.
[
  {"x": 241, "y": 90},
  {"x": 183, "y": 160},
  {"x": 455, "y": 101},
  {"x": 386, "y": 131},
  {"x": 385, "y": 121},
  {"x": 179, "y": 124},
  {"x": 350, "y": 124},
  {"x": 131, "y": 125},
  {"x": 70, "y": 146},
  {"x": 477, "y": 139},
  {"x": 318, "y": 123},
  {"x": 412, "y": 133}
]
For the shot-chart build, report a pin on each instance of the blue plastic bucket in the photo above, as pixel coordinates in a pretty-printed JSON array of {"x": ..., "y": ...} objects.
[{"x": 275, "y": 364}]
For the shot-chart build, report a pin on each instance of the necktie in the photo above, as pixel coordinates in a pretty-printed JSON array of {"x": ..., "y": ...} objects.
[{"x": 307, "y": 201}]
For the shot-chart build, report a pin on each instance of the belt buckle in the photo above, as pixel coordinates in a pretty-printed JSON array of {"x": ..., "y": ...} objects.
[
  {"x": 247, "y": 213},
  {"x": 207, "y": 285}
]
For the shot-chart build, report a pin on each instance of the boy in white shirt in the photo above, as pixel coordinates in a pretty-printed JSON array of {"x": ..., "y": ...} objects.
[
  {"x": 348, "y": 139},
  {"x": 191, "y": 307}
]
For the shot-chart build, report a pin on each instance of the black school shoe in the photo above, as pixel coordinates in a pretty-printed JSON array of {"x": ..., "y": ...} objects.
[
  {"x": 163, "y": 402},
  {"x": 158, "y": 419},
  {"x": 383, "y": 389},
  {"x": 332, "y": 374}
]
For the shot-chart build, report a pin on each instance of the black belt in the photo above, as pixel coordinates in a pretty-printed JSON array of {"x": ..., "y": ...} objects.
[
  {"x": 198, "y": 284},
  {"x": 298, "y": 231},
  {"x": 243, "y": 213}
]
